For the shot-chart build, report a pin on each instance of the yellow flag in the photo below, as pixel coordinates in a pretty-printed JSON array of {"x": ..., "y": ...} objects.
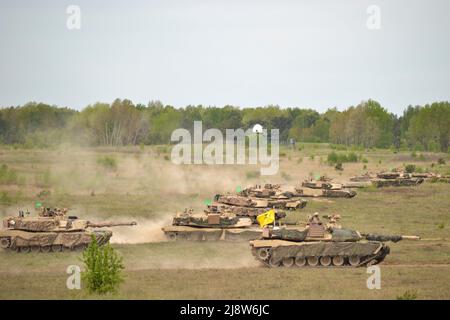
[{"x": 266, "y": 218}]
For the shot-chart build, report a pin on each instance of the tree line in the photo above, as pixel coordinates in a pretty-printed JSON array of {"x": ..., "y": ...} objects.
[{"x": 123, "y": 123}]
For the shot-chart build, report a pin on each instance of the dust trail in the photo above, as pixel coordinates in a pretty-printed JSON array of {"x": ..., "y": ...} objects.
[{"x": 145, "y": 231}]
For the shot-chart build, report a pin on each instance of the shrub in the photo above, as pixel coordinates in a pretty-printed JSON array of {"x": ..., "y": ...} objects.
[
  {"x": 408, "y": 295},
  {"x": 334, "y": 158},
  {"x": 409, "y": 168},
  {"x": 103, "y": 268},
  {"x": 107, "y": 163},
  {"x": 441, "y": 161}
]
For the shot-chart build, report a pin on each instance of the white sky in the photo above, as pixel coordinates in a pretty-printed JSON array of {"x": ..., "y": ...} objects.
[{"x": 316, "y": 54}]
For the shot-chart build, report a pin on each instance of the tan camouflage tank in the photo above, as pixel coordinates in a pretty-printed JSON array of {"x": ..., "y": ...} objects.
[
  {"x": 211, "y": 227},
  {"x": 395, "y": 179},
  {"x": 52, "y": 230},
  {"x": 321, "y": 245}
]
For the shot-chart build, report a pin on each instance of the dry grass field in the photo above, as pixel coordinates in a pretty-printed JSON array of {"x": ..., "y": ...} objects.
[{"x": 142, "y": 184}]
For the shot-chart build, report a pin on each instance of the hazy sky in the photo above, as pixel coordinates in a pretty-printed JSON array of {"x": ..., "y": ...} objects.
[{"x": 315, "y": 54}]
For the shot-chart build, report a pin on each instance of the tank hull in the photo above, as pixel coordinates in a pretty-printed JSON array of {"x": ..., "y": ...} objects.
[
  {"x": 26, "y": 241},
  {"x": 188, "y": 233},
  {"x": 282, "y": 253}
]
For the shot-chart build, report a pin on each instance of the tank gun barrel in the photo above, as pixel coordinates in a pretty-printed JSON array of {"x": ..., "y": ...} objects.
[
  {"x": 410, "y": 238},
  {"x": 110, "y": 224},
  {"x": 393, "y": 238}
]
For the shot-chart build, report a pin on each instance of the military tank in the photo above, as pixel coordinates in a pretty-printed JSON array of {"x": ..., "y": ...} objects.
[
  {"x": 205, "y": 226},
  {"x": 52, "y": 230},
  {"x": 395, "y": 179},
  {"x": 318, "y": 244}
]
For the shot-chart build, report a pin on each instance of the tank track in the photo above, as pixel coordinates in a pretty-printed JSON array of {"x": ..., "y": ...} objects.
[{"x": 263, "y": 255}]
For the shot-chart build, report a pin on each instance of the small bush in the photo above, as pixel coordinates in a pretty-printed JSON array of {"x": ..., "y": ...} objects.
[
  {"x": 408, "y": 295},
  {"x": 103, "y": 268},
  {"x": 339, "y": 166},
  {"x": 410, "y": 168},
  {"x": 352, "y": 157},
  {"x": 109, "y": 163},
  {"x": 441, "y": 161},
  {"x": 441, "y": 225},
  {"x": 413, "y": 154}
]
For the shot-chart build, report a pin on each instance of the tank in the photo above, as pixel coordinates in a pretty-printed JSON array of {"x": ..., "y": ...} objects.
[
  {"x": 323, "y": 183},
  {"x": 321, "y": 245},
  {"x": 205, "y": 226},
  {"x": 395, "y": 179},
  {"x": 52, "y": 230}
]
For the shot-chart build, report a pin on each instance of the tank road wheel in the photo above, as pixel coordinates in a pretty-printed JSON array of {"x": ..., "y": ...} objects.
[
  {"x": 263, "y": 253},
  {"x": 273, "y": 263},
  {"x": 338, "y": 261},
  {"x": 35, "y": 248},
  {"x": 288, "y": 262},
  {"x": 354, "y": 260},
  {"x": 300, "y": 261},
  {"x": 5, "y": 243},
  {"x": 313, "y": 261},
  {"x": 46, "y": 249},
  {"x": 26, "y": 249},
  {"x": 57, "y": 248},
  {"x": 171, "y": 236},
  {"x": 325, "y": 261}
]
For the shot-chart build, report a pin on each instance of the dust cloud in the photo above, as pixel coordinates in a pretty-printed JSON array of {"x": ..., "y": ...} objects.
[{"x": 144, "y": 232}]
